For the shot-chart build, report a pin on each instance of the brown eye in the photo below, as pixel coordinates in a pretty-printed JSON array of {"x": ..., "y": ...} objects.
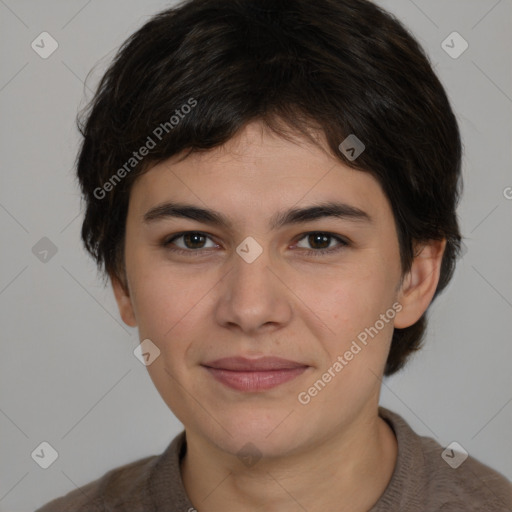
[
  {"x": 321, "y": 243},
  {"x": 192, "y": 241},
  {"x": 319, "y": 240}
]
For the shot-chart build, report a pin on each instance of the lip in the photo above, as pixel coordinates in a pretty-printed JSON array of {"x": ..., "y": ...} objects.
[
  {"x": 258, "y": 364},
  {"x": 252, "y": 375}
]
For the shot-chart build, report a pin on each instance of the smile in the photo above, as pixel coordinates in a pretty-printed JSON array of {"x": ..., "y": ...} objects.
[{"x": 254, "y": 375}]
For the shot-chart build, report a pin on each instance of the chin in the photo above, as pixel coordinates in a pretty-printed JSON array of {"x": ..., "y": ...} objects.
[{"x": 266, "y": 435}]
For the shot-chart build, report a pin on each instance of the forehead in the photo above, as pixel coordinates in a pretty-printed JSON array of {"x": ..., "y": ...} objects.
[{"x": 259, "y": 173}]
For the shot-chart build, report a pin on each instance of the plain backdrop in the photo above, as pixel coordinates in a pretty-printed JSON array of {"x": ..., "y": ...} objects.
[{"x": 68, "y": 375}]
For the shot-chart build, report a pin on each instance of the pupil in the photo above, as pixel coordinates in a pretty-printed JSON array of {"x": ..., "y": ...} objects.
[
  {"x": 316, "y": 237},
  {"x": 192, "y": 236}
]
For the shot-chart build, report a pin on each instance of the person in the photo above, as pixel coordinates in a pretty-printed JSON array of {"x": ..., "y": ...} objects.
[{"x": 271, "y": 189}]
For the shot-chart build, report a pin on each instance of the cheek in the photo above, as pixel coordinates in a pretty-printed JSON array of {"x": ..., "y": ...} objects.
[
  {"x": 161, "y": 298},
  {"x": 174, "y": 310},
  {"x": 357, "y": 296},
  {"x": 167, "y": 305},
  {"x": 355, "y": 307}
]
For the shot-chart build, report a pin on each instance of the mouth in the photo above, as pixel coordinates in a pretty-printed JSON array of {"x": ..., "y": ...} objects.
[{"x": 253, "y": 375}]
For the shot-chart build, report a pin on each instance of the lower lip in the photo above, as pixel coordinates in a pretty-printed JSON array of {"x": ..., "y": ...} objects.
[{"x": 255, "y": 380}]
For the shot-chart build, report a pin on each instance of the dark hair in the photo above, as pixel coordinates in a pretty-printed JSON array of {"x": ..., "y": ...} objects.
[{"x": 339, "y": 66}]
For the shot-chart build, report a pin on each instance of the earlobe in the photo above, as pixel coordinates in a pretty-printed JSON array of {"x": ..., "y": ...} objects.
[
  {"x": 124, "y": 302},
  {"x": 419, "y": 285}
]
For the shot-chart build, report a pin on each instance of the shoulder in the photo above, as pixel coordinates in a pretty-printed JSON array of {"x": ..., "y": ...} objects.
[
  {"x": 125, "y": 483},
  {"x": 432, "y": 477},
  {"x": 464, "y": 481}
]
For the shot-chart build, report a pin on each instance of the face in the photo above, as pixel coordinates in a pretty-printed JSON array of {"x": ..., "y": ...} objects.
[{"x": 304, "y": 290}]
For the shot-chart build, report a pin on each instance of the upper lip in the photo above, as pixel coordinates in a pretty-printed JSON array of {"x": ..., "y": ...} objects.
[{"x": 260, "y": 364}]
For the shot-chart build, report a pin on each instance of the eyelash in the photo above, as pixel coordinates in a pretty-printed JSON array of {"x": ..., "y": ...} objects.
[{"x": 318, "y": 252}]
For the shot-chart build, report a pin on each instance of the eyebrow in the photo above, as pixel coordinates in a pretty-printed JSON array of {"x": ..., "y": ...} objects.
[{"x": 293, "y": 216}]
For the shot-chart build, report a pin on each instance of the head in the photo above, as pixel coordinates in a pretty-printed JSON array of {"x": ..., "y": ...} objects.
[{"x": 240, "y": 107}]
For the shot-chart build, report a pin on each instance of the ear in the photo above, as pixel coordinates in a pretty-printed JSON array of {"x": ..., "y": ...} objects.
[
  {"x": 420, "y": 283},
  {"x": 124, "y": 302}
]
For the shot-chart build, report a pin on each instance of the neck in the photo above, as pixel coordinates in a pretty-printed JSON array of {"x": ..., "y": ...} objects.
[{"x": 346, "y": 471}]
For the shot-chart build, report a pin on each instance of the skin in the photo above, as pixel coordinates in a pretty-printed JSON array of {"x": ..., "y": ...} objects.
[{"x": 286, "y": 303}]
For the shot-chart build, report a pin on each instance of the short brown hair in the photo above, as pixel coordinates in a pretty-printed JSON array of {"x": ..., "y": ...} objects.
[{"x": 340, "y": 66}]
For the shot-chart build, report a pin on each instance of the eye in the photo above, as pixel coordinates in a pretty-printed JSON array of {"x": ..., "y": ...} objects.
[
  {"x": 192, "y": 240},
  {"x": 322, "y": 239}
]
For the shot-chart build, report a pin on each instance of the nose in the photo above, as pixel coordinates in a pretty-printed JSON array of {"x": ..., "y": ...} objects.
[{"x": 253, "y": 297}]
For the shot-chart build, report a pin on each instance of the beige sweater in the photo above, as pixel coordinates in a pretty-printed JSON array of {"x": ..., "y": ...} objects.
[{"x": 422, "y": 482}]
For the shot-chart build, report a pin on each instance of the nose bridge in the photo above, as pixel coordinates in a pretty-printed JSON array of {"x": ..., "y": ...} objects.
[
  {"x": 252, "y": 295},
  {"x": 250, "y": 279}
]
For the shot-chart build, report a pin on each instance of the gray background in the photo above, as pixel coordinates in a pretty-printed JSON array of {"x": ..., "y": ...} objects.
[{"x": 68, "y": 373}]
